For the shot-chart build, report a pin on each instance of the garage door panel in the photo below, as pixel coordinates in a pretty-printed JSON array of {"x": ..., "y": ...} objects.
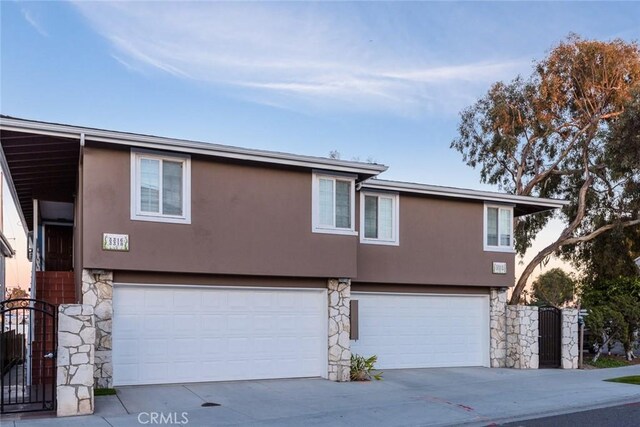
[
  {"x": 212, "y": 300},
  {"x": 211, "y": 334},
  {"x": 412, "y": 331}
]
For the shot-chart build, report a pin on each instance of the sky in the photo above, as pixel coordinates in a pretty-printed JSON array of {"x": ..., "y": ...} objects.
[{"x": 376, "y": 81}]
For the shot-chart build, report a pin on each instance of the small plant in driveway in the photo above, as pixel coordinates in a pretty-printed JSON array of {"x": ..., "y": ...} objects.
[{"x": 361, "y": 368}]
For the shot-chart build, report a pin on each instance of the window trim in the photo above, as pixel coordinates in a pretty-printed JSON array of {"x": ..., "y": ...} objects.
[
  {"x": 136, "y": 213},
  {"x": 395, "y": 226},
  {"x": 315, "y": 203},
  {"x": 498, "y": 248}
]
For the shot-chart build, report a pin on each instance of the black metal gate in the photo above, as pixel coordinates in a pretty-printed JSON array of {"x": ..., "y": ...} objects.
[
  {"x": 549, "y": 337},
  {"x": 27, "y": 355}
]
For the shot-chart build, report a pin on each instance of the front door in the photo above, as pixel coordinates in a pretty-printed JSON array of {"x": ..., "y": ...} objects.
[{"x": 58, "y": 248}]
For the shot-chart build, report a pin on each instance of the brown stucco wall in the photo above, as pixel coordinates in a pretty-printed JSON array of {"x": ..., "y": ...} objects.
[
  {"x": 441, "y": 243},
  {"x": 155, "y": 278},
  {"x": 245, "y": 219}
]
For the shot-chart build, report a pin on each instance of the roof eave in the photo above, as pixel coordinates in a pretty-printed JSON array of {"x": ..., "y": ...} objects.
[
  {"x": 5, "y": 247},
  {"x": 534, "y": 204},
  {"x": 192, "y": 147}
]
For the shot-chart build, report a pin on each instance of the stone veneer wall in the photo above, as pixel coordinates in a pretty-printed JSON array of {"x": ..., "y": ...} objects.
[
  {"x": 97, "y": 291},
  {"x": 498, "y": 327},
  {"x": 339, "y": 295},
  {"x": 75, "y": 357},
  {"x": 570, "y": 348},
  {"x": 522, "y": 337}
]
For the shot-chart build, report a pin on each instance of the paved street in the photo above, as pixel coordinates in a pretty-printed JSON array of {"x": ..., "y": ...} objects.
[
  {"x": 627, "y": 415},
  {"x": 407, "y": 397}
]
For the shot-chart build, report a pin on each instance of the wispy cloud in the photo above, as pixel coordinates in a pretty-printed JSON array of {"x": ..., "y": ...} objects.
[
  {"x": 28, "y": 16},
  {"x": 291, "y": 55}
]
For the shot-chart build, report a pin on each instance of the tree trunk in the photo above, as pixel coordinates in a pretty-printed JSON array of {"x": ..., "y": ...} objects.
[
  {"x": 522, "y": 281},
  {"x": 599, "y": 352}
]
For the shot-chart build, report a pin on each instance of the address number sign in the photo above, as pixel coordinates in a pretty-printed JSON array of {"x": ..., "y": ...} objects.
[{"x": 115, "y": 242}]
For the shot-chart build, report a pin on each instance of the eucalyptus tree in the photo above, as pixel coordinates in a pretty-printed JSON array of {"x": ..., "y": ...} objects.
[{"x": 558, "y": 133}]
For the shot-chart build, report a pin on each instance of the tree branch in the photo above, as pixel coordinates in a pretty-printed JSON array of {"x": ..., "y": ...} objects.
[
  {"x": 541, "y": 176},
  {"x": 599, "y": 231}
]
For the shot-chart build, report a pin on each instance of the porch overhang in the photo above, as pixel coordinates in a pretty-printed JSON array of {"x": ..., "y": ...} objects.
[{"x": 38, "y": 167}]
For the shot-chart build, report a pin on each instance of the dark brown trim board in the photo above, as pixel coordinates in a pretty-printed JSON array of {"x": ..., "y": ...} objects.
[
  {"x": 419, "y": 289},
  {"x": 155, "y": 278}
]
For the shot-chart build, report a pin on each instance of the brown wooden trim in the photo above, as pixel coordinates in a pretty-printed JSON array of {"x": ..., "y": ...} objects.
[
  {"x": 158, "y": 278},
  {"x": 419, "y": 289},
  {"x": 354, "y": 330}
]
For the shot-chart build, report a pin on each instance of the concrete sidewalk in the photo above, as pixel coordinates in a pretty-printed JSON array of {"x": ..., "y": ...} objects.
[{"x": 408, "y": 397}]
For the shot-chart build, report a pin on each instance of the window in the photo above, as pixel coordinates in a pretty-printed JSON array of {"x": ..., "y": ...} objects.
[
  {"x": 160, "y": 187},
  {"x": 333, "y": 204},
  {"x": 379, "y": 218},
  {"x": 498, "y": 228}
]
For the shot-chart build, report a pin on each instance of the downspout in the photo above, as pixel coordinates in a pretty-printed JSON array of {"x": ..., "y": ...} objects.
[
  {"x": 35, "y": 246},
  {"x": 79, "y": 223},
  {"x": 34, "y": 258}
]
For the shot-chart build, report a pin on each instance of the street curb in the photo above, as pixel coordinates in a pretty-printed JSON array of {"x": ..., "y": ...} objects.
[{"x": 535, "y": 415}]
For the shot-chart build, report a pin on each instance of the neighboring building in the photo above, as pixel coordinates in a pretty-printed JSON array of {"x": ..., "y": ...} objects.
[
  {"x": 6, "y": 251},
  {"x": 637, "y": 261},
  {"x": 207, "y": 262}
]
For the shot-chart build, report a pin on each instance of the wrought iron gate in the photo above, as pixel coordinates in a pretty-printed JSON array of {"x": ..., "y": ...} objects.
[
  {"x": 27, "y": 355},
  {"x": 549, "y": 337}
]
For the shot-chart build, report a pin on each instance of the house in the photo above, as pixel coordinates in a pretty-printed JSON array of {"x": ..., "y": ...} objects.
[
  {"x": 206, "y": 262},
  {"x": 6, "y": 251}
]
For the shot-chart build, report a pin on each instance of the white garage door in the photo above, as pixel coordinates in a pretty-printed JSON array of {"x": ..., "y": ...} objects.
[
  {"x": 171, "y": 334},
  {"x": 423, "y": 331}
]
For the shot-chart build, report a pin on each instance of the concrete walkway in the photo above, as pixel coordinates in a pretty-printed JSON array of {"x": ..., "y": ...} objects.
[{"x": 408, "y": 397}]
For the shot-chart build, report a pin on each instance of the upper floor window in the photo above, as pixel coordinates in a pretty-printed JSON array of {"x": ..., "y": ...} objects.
[
  {"x": 379, "y": 218},
  {"x": 498, "y": 228},
  {"x": 333, "y": 204},
  {"x": 160, "y": 187}
]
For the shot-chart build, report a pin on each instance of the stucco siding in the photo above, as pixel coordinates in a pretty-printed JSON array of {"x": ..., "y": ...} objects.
[
  {"x": 441, "y": 243},
  {"x": 245, "y": 219}
]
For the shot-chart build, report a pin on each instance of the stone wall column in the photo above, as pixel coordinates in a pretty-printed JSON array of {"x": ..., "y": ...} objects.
[
  {"x": 97, "y": 291},
  {"x": 339, "y": 296},
  {"x": 498, "y": 327},
  {"x": 75, "y": 358},
  {"x": 522, "y": 337},
  {"x": 570, "y": 348}
]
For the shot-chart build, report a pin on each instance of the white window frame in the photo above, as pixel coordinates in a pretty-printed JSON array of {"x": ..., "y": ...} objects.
[
  {"x": 498, "y": 248},
  {"x": 316, "y": 227},
  {"x": 136, "y": 213},
  {"x": 395, "y": 226}
]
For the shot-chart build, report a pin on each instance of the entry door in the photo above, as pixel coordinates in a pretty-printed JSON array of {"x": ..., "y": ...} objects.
[
  {"x": 58, "y": 248},
  {"x": 550, "y": 335}
]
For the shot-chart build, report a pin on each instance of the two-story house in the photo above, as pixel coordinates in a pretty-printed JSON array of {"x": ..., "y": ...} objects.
[{"x": 207, "y": 262}]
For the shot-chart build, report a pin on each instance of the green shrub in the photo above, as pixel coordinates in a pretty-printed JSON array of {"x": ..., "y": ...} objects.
[
  {"x": 608, "y": 362},
  {"x": 361, "y": 368}
]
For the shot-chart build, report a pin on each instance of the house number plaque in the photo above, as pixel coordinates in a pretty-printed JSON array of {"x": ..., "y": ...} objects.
[
  {"x": 499, "y": 268},
  {"x": 115, "y": 242}
]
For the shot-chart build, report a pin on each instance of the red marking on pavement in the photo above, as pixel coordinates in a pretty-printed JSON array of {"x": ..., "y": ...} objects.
[
  {"x": 446, "y": 402},
  {"x": 632, "y": 404}
]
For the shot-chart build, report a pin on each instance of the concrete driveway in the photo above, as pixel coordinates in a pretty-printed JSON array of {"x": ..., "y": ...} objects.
[{"x": 405, "y": 397}]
